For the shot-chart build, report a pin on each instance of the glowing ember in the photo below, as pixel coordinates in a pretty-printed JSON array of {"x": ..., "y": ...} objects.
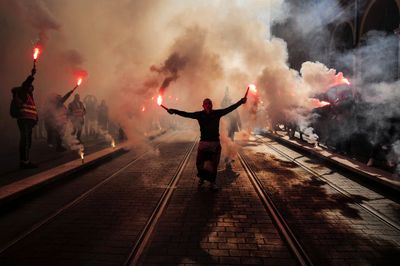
[
  {"x": 113, "y": 143},
  {"x": 81, "y": 153},
  {"x": 36, "y": 52},
  {"x": 159, "y": 100},
  {"x": 143, "y": 109},
  {"x": 346, "y": 81},
  {"x": 177, "y": 99},
  {"x": 79, "y": 81}
]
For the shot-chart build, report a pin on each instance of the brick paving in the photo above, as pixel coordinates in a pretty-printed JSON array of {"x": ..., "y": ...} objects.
[
  {"x": 102, "y": 228},
  {"x": 228, "y": 227},
  {"x": 201, "y": 227},
  {"x": 332, "y": 228}
]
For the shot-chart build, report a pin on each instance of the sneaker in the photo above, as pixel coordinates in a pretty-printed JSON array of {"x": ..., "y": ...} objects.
[
  {"x": 27, "y": 165},
  {"x": 214, "y": 187}
]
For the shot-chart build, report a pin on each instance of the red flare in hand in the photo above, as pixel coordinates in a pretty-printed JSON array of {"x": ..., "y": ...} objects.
[
  {"x": 79, "y": 81},
  {"x": 252, "y": 88},
  {"x": 36, "y": 52},
  {"x": 159, "y": 102}
]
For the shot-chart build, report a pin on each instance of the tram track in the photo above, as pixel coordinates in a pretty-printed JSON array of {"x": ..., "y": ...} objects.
[
  {"x": 73, "y": 202},
  {"x": 283, "y": 228},
  {"x": 366, "y": 207},
  {"x": 151, "y": 224}
]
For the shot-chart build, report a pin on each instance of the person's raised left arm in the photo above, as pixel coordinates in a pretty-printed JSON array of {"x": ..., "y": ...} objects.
[{"x": 229, "y": 109}]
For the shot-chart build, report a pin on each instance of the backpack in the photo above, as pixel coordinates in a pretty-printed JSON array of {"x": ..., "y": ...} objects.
[{"x": 14, "y": 109}]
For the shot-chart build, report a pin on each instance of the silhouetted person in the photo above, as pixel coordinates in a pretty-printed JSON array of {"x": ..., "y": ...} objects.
[
  {"x": 209, "y": 147},
  {"x": 102, "y": 115},
  {"x": 77, "y": 111},
  {"x": 27, "y": 118},
  {"x": 90, "y": 102},
  {"x": 56, "y": 120}
]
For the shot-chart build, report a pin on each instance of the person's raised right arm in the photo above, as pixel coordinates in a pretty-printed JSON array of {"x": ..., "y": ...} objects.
[{"x": 193, "y": 115}]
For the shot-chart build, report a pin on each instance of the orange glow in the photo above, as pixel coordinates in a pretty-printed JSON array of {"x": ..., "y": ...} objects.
[
  {"x": 176, "y": 99},
  {"x": 36, "y": 52},
  {"x": 346, "y": 81},
  {"x": 113, "y": 143},
  {"x": 159, "y": 100},
  {"x": 79, "y": 81},
  {"x": 315, "y": 103},
  {"x": 143, "y": 109}
]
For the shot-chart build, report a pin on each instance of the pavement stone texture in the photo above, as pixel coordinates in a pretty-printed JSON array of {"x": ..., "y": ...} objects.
[
  {"x": 227, "y": 227},
  {"x": 200, "y": 226},
  {"x": 331, "y": 226}
]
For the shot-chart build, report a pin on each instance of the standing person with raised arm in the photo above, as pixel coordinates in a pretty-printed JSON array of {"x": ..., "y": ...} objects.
[
  {"x": 27, "y": 117},
  {"x": 209, "y": 147}
]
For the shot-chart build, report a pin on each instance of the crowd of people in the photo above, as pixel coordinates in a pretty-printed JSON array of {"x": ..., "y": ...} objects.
[
  {"x": 350, "y": 126},
  {"x": 59, "y": 123}
]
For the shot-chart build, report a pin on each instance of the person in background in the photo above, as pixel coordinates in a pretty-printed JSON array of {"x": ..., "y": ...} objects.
[
  {"x": 102, "y": 115},
  {"x": 27, "y": 117},
  {"x": 76, "y": 112},
  {"x": 90, "y": 102}
]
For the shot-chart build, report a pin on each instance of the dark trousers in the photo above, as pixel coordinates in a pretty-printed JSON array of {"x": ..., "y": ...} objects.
[
  {"x": 208, "y": 151},
  {"x": 25, "y": 130}
]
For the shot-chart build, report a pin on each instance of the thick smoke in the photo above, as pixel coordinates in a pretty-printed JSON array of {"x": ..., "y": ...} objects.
[{"x": 192, "y": 49}]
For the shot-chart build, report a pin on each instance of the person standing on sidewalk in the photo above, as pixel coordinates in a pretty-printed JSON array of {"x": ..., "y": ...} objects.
[
  {"x": 77, "y": 111},
  {"x": 209, "y": 147},
  {"x": 27, "y": 117}
]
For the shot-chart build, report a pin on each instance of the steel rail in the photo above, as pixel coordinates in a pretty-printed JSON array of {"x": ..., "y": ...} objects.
[
  {"x": 144, "y": 237},
  {"x": 72, "y": 203},
  {"x": 283, "y": 228},
  {"x": 364, "y": 206}
]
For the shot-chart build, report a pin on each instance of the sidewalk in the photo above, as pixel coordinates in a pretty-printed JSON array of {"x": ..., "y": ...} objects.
[
  {"x": 42, "y": 155},
  {"x": 370, "y": 173},
  {"x": 21, "y": 187},
  {"x": 15, "y": 182}
]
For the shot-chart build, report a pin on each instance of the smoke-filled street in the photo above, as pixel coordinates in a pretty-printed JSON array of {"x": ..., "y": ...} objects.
[{"x": 170, "y": 132}]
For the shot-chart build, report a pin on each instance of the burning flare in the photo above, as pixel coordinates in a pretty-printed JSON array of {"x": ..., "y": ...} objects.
[
  {"x": 143, "y": 109},
  {"x": 315, "y": 103},
  {"x": 159, "y": 100},
  {"x": 346, "y": 81},
  {"x": 79, "y": 81},
  {"x": 36, "y": 52},
  {"x": 252, "y": 88},
  {"x": 113, "y": 143},
  {"x": 81, "y": 153}
]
